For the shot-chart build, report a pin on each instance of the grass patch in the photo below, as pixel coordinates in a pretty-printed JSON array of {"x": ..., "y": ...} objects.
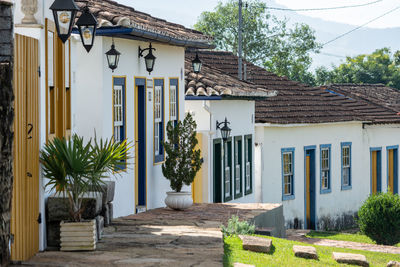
[
  {"x": 342, "y": 237},
  {"x": 282, "y": 255}
]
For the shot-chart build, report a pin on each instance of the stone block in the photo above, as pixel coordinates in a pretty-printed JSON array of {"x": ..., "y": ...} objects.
[
  {"x": 100, "y": 227},
  {"x": 393, "y": 264},
  {"x": 108, "y": 191},
  {"x": 111, "y": 211},
  {"x": 256, "y": 244},
  {"x": 53, "y": 235},
  {"x": 350, "y": 258},
  {"x": 58, "y": 207},
  {"x": 106, "y": 214},
  {"x": 238, "y": 264},
  {"x": 306, "y": 252},
  {"x": 5, "y": 22}
]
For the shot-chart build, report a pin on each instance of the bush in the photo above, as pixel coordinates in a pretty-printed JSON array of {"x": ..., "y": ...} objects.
[
  {"x": 379, "y": 218},
  {"x": 236, "y": 227}
]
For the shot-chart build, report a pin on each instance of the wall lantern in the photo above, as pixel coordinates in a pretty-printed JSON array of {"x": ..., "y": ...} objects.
[
  {"x": 225, "y": 130},
  {"x": 150, "y": 59},
  {"x": 196, "y": 64},
  {"x": 87, "y": 24},
  {"x": 113, "y": 57},
  {"x": 64, "y": 12}
]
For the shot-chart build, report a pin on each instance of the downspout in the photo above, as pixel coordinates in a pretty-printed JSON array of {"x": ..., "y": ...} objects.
[{"x": 206, "y": 107}]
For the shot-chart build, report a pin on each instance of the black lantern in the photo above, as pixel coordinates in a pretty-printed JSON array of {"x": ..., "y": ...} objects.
[
  {"x": 87, "y": 24},
  {"x": 113, "y": 57},
  {"x": 64, "y": 12},
  {"x": 225, "y": 130},
  {"x": 150, "y": 59},
  {"x": 196, "y": 64}
]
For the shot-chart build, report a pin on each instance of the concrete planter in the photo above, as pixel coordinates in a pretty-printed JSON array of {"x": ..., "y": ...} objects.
[
  {"x": 77, "y": 236},
  {"x": 179, "y": 200}
]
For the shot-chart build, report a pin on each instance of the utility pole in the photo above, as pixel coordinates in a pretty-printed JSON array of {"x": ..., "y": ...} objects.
[{"x": 240, "y": 67}]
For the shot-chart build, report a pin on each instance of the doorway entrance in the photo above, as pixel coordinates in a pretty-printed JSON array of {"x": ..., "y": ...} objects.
[
  {"x": 393, "y": 171},
  {"x": 309, "y": 177},
  {"x": 217, "y": 164},
  {"x": 376, "y": 170}
]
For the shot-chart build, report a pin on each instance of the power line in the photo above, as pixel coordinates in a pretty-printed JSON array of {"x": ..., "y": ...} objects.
[
  {"x": 359, "y": 27},
  {"x": 332, "y": 55},
  {"x": 324, "y": 8}
]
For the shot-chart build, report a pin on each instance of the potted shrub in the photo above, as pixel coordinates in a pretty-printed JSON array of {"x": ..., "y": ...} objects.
[
  {"x": 182, "y": 161},
  {"x": 74, "y": 168}
]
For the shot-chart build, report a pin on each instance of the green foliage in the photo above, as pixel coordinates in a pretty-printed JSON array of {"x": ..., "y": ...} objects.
[
  {"x": 75, "y": 168},
  {"x": 183, "y": 161},
  {"x": 382, "y": 66},
  {"x": 236, "y": 227},
  {"x": 267, "y": 41},
  {"x": 379, "y": 218}
]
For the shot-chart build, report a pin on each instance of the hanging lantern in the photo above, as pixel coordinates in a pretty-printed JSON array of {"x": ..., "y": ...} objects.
[
  {"x": 64, "y": 12},
  {"x": 113, "y": 57},
  {"x": 196, "y": 64},
  {"x": 225, "y": 130},
  {"x": 87, "y": 24},
  {"x": 150, "y": 59}
]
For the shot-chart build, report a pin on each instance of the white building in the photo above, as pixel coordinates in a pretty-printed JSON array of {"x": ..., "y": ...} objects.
[
  {"x": 61, "y": 89},
  {"x": 227, "y": 173},
  {"x": 320, "y": 151}
]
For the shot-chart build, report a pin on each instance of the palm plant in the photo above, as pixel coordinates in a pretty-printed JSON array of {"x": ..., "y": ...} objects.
[{"x": 75, "y": 168}]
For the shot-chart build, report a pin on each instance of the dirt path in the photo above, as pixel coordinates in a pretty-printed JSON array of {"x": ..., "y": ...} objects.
[{"x": 299, "y": 235}]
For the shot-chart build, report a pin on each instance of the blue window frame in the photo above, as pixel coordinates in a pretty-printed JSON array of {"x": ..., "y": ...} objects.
[
  {"x": 119, "y": 114},
  {"x": 345, "y": 153},
  {"x": 288, "y": 167},
  {"x": 158, "y": 120},
  {"x": 325, "y": 169},
  {"x": 377, "y": 151}
]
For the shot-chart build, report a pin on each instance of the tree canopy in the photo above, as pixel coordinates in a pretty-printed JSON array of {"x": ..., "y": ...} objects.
[
  {"x": 267, "y": 41},
  {"x": 382, "y": 66}
]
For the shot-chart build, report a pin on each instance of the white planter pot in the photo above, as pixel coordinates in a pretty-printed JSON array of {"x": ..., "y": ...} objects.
[
  {"x": 179, "y": 200},
  {"x": 77, "y": 236}
]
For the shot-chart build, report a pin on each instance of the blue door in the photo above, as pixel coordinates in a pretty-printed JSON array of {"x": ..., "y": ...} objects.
[
  {"x": 140, "y": 143},
  {"x": 310, "y": 199}
]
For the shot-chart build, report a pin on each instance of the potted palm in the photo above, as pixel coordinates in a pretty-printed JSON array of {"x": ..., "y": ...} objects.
[
  {"x": 182, "y": 161},
  {"x": 73, "y": 168}
]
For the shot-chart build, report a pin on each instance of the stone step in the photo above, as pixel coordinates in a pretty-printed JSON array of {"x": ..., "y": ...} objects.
[
  {"x": 256, "y": 244},
  {"x": 267, "y": 231},
  {"x": 306, "y": 252},
  {"x": 78, "y": 248},
  {"x": 350, "y": 258},
  {"x": 393, "y": 264}
]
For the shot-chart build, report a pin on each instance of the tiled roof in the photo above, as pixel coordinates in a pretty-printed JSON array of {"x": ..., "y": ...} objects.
[
  {"x": 213, "y": 82},
  {"x": 112, "y": 14},
  {"x": 376, "y": 102},
  {"x": 295, "y": 102}
]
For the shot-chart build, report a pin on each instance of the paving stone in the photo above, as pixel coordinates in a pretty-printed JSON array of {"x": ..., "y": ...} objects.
[
  {"x": 306, "y": 252},
  {"x": 238, "y": 264},
  {"x": 256, "y": 244},
  {"x": 350, "y": 258},
  {"x": 393, "y": 264}
]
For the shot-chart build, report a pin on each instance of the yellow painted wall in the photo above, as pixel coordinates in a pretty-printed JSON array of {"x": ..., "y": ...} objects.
[{"x": 197, "y": 186}]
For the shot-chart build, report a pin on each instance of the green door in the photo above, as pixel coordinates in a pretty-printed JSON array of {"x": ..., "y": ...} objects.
[{"x": 217, "y": 160}]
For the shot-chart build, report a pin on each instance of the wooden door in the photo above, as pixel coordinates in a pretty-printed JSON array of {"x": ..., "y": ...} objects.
[
  {"x": 308, "y": 198},
  {"x": 197, "y": 185},
  {"x": 393, "y": 171},
  {"x": 376, "y": 171},
  {"x": 25, "y": 202},
  {"x": 217, "y": 164}
]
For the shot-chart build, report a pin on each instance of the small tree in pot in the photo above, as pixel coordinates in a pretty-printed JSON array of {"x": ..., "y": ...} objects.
[
  {"x": 182, "y": 162},
  {"x": 74, "y": 168}
]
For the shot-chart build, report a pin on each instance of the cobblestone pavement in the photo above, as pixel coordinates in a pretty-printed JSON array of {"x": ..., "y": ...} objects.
[
  {"x": 159, "y": 237},
  {"x": 299, "y": 235}
]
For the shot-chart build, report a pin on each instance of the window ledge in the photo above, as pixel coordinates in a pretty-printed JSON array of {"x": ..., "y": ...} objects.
[
  {"x": 325, "y": 191},
  {"x": 346, "y": 187},
  {"x": 287, "y": 197}
]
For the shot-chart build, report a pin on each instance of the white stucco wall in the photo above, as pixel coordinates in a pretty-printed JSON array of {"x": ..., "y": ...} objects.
[
  {"x": 338, "y": 202},
  {"x": 94, "y": 107},
  {"x": 240, "y": 114}
]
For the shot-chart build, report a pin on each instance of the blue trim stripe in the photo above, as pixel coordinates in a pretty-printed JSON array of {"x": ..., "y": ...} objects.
[
  {"x": 349, "y": 186},
  {"x": 329, "y": 189},
  {"x": 292, "y": 196}
]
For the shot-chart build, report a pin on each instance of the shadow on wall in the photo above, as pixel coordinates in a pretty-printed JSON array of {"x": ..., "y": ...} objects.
[{"x": 338, "y": 223}]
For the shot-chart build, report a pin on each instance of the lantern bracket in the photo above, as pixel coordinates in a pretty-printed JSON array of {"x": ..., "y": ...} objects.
[{"x": 141, "y": 51}]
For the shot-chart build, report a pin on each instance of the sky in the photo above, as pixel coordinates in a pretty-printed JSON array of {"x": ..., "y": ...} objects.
[{"x": 186, "y": 12}]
